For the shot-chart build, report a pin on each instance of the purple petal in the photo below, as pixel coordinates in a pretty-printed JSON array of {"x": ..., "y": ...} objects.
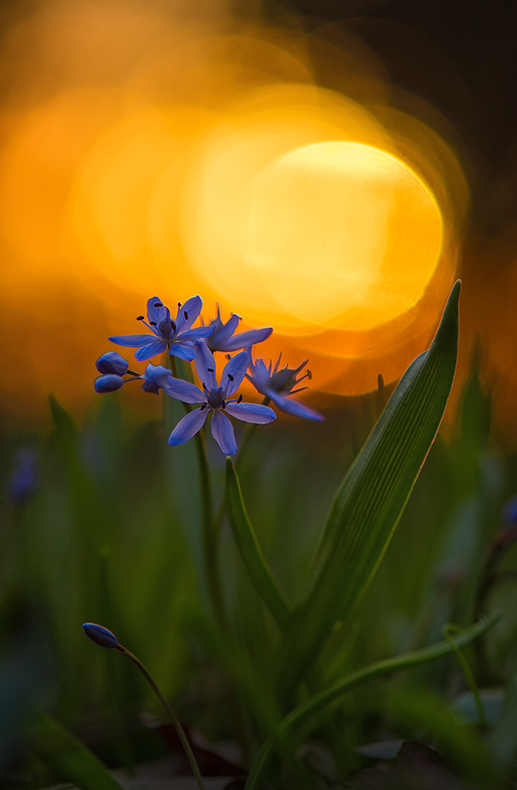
[
  {"x": 150, "y": 350},
  {"x": 156, "y": 311},
  {"x": 183, "y": 390},
  {"x": 192, "y": 308},
  {"x": 133, "y": 341},
  {"x": 293, "y": 407},
  {"x": 222, "y": 431},
  {"x": 247, "y": 339},
  {"x": 251, "y": 412},
  {"x": 205, "y": 365},
  {"x": 182, "y": 351},
  {"x": 188, "y": 427},
  {"x": 234, "y": 371}
]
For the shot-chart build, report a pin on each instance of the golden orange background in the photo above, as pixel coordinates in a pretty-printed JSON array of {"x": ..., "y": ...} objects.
[{"x": 145, "y": 152}]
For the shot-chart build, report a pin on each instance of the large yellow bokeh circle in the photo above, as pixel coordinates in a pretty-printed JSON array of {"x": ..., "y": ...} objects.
[{"x": 343, "y": 235}]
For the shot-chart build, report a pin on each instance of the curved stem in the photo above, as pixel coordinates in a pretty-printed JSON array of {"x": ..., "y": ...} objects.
[
  {"x": 467, "y": 671},
  {"x": 177, "y": 726},
  {"x": 304, "y": 712}
]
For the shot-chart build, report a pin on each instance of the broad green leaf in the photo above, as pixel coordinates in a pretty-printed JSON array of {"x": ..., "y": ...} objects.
[
  {"x": 250, "y": 551},
  {"x": 308, "y": 714},
  {"x": 70, "y": 758},
  {"x": 371, "y": 498}
]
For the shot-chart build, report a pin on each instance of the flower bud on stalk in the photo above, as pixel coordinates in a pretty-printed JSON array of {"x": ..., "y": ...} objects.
[{"x": 103, "y": 637}]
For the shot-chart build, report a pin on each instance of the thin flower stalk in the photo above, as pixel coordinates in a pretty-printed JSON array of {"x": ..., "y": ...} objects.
[{"x": 105, "y": 638}]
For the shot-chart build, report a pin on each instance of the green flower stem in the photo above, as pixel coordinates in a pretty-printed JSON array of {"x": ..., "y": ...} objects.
[
  {"x": 209, "y": 527},
  {"x": 210, "y": 533},
  {"x": 177, "y": 726},
  {"x": 467, "y": 671},
  {"x": 246, "y": 437},
  {"x": 247, "y": 434},
  {"x": 315, "y": 704}
]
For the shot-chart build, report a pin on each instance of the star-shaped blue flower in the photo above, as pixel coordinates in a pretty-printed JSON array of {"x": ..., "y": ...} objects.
[
  {"x": 277, "y": 385},
  {"x": 176, "y": 336},
  {"x": 222, "y": 338},
  {"x": 214, "y": 400}
]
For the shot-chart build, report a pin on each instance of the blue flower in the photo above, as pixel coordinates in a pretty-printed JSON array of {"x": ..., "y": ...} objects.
[
  {"x": 277, "y": 385},
  {"x": 155, "y": 377},
  {"x": 221, "y": 338},
  {"x": 214, "y": 400},
  {"x": 24, "y": 478},
  {"x": 176, "y": 336},
  {"x": 112, "y": 362},
  {"x": 510, "y": 511},
  {"x": 102, "y": 637},
  {"x": 108, "y": 383}
]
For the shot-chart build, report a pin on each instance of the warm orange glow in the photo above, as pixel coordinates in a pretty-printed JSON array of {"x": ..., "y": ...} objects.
[
  {"x": 344, "y": 235},
  {"x": 171, "y": 157}
]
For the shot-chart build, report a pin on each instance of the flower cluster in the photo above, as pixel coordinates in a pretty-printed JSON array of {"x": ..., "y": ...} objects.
[{"x": 178, "y": 338}]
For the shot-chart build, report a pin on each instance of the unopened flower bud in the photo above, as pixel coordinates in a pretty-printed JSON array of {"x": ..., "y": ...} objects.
[
  {"x": 108, "y": 383},
  {"x": 112, "y": 362},
  {"x": 102, "y": 637}
]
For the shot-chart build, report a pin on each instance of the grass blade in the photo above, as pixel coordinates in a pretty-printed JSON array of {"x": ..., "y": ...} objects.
[
  {"x": 301, "y": 716},
  {"x": 70, "y": 758}
]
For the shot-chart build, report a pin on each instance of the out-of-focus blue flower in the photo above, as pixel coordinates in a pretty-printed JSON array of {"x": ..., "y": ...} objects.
[
  {"x": 510, "y": 511},
  {"x": 278, "y": 385},
  {"x": 24, "y": 478},
  {"x": 222, "y": 338},
  {"x": 112, "y": 362},
  {"x": 108, "y": 383},
  {"x": 102, "y": 637},
  {"x": 214, "y": 400},
  {"x": 176, "y": 336},
  {"x": 155, "y": 377}
]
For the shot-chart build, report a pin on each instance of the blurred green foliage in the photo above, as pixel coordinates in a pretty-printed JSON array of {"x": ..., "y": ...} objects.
[{"x": 111, "y": 533}]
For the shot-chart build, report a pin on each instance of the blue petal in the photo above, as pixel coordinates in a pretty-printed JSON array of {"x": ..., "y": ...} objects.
[
  {"x": 195, "y": 334},
  {"x": 234, "y": 371},
  {"x": 247, "y": 339},
  {"x": 226, "y": 331},
  {"x": 108, "y": 383},
  {"x": 112, "y": 362},
  {"x": 157, "y": 314},
  {"x": 259, "y": 375},
  {"x": 150, "y": 350},
  {"x": 192, "y": 307},
  {"x": 222, "y": 431},
  {"x": 182, "y": 351},
  {"x": 156, "y": 376},
  {"x": 293, "y": 407},
  {"x": 102, "y": 637},
  {"x": 188, "y": 427},
  {"x": 205, "y": 365},
  {"x": 133, "y": 341},
  {"x": 183, "y": 390},
  {"x": 251, "y": 412}
]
